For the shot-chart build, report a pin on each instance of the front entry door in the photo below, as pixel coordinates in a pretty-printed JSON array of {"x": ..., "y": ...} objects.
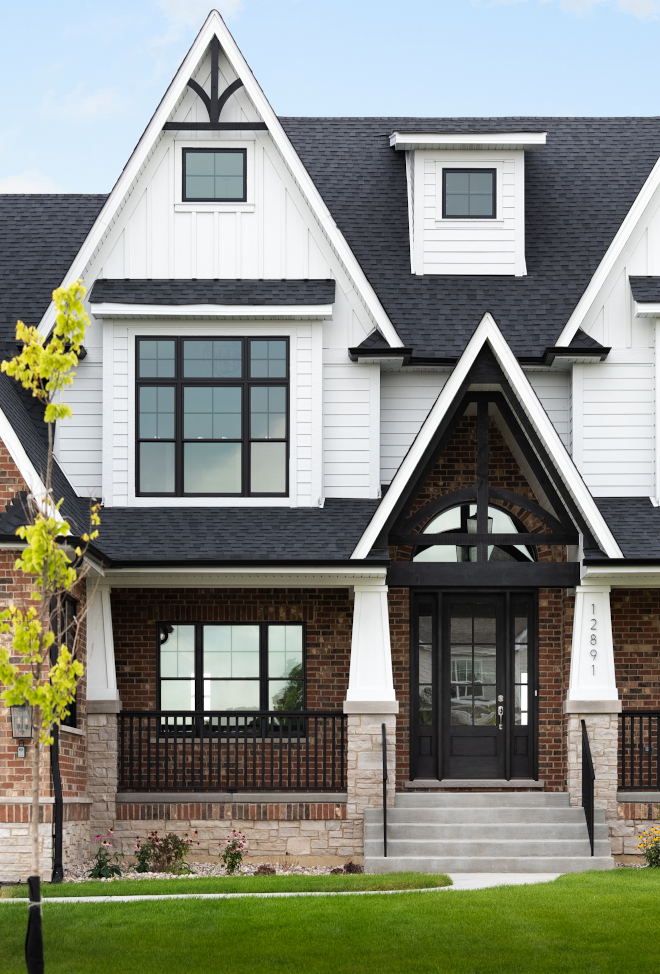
[{"x": 474, "y": 666}]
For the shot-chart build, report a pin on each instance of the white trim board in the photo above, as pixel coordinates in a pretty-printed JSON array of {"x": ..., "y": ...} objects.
[
  {"x": 488, "y": 332},
  {"x": 406, "y": 141},
  {"x": 214, "y": 312},
  {"x": 215, "y": 26},
  {"x": 26, "y": 468}
]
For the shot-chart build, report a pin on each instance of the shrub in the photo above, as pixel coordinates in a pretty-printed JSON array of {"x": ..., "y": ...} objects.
[
  {"x": 106, "y": 863},
  {"x": 353, "y": 867},
  {"x": 232, "y": 855},
  {"x": 649, "y": 846},
  {"x": 265, "y": 869},
  {"x": 166, "y": 855}
]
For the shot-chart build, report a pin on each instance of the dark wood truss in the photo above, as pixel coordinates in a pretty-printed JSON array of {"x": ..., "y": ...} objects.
[{"x": 214, "y": 104}]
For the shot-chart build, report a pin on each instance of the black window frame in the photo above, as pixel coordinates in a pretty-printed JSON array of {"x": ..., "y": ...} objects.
[
  {"x": 246, "y": 382},
  {"x": 212, "y": 199},
  {"x": 263, "y": 679},
  {"x": 467, "y": 169}
]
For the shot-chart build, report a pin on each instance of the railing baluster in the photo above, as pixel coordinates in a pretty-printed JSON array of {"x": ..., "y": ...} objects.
[
  {"x": 307, "y": 750},
  {"x": 638, "y": 752}
]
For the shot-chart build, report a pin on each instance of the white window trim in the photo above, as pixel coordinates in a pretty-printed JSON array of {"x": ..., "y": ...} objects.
[
  {"x": 468, "y": 162},
  {"x": 182, "y": 206},
  {"x": 132, "y": 329}
]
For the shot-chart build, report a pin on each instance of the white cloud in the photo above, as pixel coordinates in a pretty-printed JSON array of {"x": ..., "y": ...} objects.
[
  {"x": 193, "y": 13},
  {"x": 642, "y": 9},
  {"x": 30, "y": 181},
  {"x": 81, "y": 106}
]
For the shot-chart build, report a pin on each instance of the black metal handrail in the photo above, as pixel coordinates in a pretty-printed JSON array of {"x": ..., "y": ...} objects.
[
  {"x": 639, "y": 731},
  {"x": 588, "y": 777},
  {"x": 384, "y": 789},
  {"x": 166, "y": 750}
]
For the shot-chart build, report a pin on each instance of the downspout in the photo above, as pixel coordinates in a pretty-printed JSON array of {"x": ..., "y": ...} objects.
[{"x": 58, "y": 810}]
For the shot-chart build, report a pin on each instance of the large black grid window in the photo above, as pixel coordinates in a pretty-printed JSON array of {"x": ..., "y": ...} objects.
[
  {"x": 214, "y": 175},
  {"x": 242, "y": 666},
  {"x": 212, "y": 416}
]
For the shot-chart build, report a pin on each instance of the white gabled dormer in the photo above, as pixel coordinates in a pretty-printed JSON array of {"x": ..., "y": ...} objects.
[{"x": 466, "y": 200}]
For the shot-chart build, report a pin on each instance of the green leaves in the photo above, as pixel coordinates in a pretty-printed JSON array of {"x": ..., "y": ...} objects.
[{"x": 46, "y": 369}]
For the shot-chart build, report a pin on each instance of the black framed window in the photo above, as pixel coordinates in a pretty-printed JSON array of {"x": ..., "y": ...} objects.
[
  {"x": 468, "y": 194},
  {"x": 212, "y": 416},
  {"x": 231, "y": 666},
  {"x": 214, "y": 175}
]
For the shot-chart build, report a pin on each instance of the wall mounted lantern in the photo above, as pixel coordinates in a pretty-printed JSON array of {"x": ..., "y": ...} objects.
[{"x": 21, "y": 721}]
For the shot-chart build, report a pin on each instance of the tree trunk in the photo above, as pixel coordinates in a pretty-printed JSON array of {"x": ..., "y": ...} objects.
[{"x": 36, "y": 770}]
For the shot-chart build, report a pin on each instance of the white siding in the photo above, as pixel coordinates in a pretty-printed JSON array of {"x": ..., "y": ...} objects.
[
  {"x": 405, "y": 401},
  {"x": 617, "y": 457},
  {"x": 451, "y": 246},
  {"x": 554, "y": 391},
  {"x": 349, "y": 392}
]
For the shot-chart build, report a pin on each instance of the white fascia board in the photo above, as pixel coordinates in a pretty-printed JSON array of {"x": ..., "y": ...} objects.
[
  {"x": 269, "y": 312},
  {"x": 402, "y": 141},
  {"x": 215, "y": 25},
  {"x": 26, "y": 468},
  {"x": 647, "y": 309},
  {"x": 623, "y": 576},
  {"x": 611, "y": 256},
  {"x": 252, "y": 577},
  {"x": 487, "y": 331}
]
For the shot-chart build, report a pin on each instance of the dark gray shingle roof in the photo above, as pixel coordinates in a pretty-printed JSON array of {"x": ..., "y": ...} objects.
[
  {"x": 234, "y": 534},
  {"x": 635, "y": 523},
  {"x": 40, "y": 236},
  {"x": 645, "y": 288},
  {"x": 247, "y": 292},
  {"x": 581, "y": 340},
  {"x": 578, "y": 189}
]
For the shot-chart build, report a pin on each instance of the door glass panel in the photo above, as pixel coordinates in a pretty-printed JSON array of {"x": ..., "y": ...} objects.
[
  {"x": 521, "y": 674},
  {"x": 425, "y": 713},
  {"x": 473, "y": 663}
]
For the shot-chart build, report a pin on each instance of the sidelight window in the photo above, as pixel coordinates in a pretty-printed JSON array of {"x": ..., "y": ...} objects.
[
  {"x": 212, "y": 417},
  {"x": 232, "y": 667}
]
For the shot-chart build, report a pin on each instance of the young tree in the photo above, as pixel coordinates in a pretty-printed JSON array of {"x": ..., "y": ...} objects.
[{"x": 27, "y": 671}]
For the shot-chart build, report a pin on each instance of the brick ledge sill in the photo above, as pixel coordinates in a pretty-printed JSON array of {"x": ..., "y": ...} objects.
[{"x": 478, "y": 784}]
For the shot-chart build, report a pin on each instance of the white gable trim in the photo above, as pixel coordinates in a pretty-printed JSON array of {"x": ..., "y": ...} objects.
[
  {"x": 488, "y": 332},
  {"x": 26, "y": 468},
  {"x": 611, "y": 256},
  {"x": 215, "y": 25}
]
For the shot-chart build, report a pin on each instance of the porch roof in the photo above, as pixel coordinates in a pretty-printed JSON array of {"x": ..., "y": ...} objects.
[
  {"x": 229, "y": 535},
  {"x": 635, "y": 523}
]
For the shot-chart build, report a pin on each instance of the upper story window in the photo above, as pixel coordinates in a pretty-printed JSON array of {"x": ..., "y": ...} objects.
[
  {"x": 212, "y": 417},
  {"x": 468, "y": 194},
  {"x": 214, "y": 175}
]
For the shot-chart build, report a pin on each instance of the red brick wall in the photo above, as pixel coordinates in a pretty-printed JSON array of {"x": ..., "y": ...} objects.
[
  {"x": 636, "y": 636},
  {"x": 328, "y": 614}
]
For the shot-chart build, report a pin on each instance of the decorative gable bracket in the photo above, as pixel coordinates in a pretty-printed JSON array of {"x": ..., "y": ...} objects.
[{"x": 214, "y": 104}]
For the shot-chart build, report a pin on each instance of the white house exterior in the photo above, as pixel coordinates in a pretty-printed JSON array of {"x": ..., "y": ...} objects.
[{"x": 314, "y": 343}]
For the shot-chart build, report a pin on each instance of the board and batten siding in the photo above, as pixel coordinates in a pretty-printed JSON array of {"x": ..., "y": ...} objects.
[{"x": 471, "y": 246}]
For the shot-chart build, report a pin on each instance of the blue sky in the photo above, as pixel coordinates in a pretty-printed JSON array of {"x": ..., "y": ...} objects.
[{"x": 81, "y": 78}]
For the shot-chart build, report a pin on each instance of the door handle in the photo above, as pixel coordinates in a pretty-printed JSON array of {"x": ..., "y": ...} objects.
[{"x": 500, "y": 714}]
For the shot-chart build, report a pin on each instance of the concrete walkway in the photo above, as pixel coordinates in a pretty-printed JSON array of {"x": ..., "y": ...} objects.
[{"x": 461, "y": 881}]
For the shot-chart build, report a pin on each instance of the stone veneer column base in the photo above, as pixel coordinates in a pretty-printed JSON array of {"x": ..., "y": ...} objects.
[
  {"x": 603, "y": 731},
  {"x": 364, "y": 764},
  {"x": 102, "y": 768}
]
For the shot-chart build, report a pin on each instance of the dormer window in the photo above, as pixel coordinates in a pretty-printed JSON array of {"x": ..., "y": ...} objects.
[
  {"x": 214, "y": 175},
  {"x": 468, "y": 194}
]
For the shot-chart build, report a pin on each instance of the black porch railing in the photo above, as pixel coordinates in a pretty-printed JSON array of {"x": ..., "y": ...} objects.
[
  {"x": 229, "y": 751},
  {"x": 588, "y": 777},
  {"x": 638, "y": 750}
]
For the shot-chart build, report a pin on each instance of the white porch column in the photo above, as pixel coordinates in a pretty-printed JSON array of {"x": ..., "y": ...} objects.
[
  {"x": 101, "y": 672},
  {"x": 370, "y": 678},
  {"x": 103, "y": 705},
  {"x": 370, "y": 702},
  {"x": 593, "y": 697}
]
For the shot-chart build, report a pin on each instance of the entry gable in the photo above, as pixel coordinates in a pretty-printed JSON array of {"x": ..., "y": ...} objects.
[{"x": 489, "y": 377}]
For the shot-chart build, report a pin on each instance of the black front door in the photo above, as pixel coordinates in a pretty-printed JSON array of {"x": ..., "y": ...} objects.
[{"x": 474, "y": 672}]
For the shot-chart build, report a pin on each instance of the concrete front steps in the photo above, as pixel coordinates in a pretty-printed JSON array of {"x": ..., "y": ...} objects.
[{"x": 481, "y": 832}]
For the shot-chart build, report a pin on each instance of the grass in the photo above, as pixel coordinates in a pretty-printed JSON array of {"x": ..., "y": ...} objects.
[
  {"x": 587, "y": 923},
  {"x": 238, "y": 884}
]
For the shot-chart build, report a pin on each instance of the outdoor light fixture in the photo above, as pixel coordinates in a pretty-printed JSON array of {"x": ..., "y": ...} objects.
[{"x": 21, "y": 721}]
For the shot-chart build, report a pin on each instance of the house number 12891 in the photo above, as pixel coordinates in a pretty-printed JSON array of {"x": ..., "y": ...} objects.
[{"x": 594, "y": 651}]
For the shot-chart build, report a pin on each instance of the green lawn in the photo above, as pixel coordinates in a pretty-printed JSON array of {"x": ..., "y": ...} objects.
[
  {"x": 588, "y": 923},
  {"x": 238, "y": 884}
]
